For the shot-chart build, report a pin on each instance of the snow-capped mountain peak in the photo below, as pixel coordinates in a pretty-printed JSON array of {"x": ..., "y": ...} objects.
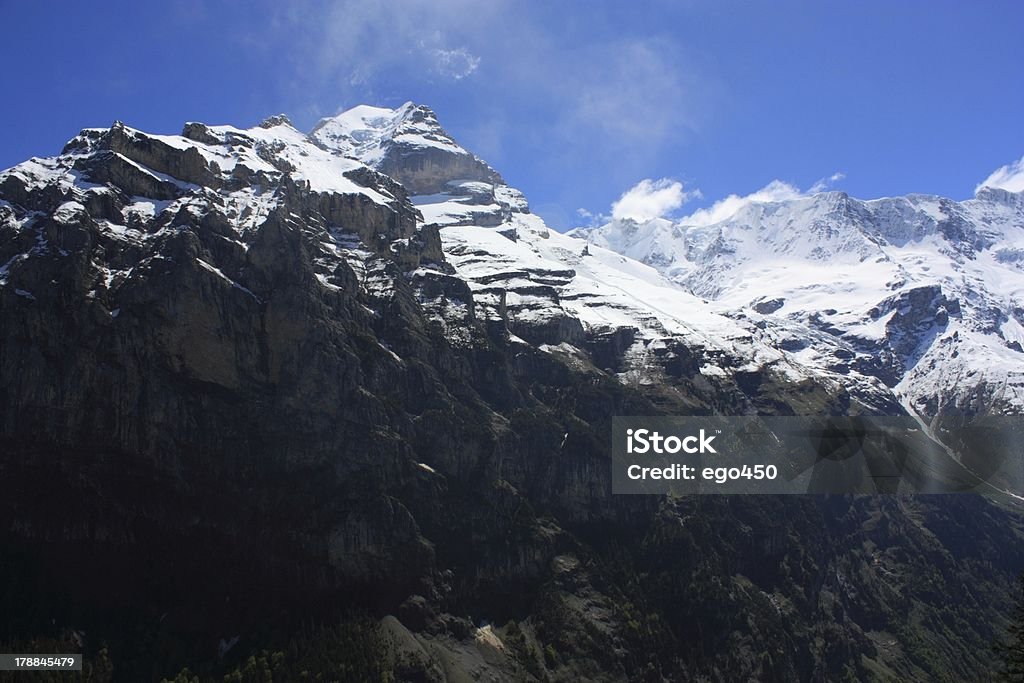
[
  {"x": 407, "y": 143},
  {"x": 361, "y": 131}
]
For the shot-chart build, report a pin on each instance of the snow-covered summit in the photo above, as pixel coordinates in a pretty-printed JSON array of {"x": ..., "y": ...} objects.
[
  {"x": 365, "y": 132},
  {"x": 406, "y": 143}
]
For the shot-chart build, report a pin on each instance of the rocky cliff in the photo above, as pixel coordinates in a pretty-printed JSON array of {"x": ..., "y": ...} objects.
[{"x": 254, "y": 380}]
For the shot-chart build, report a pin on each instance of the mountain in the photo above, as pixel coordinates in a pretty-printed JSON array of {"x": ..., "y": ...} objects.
[
  {"x": 930, "y": 287},
  {"x": 339, "y": 403},
  {"x": 564, "y": 295}
]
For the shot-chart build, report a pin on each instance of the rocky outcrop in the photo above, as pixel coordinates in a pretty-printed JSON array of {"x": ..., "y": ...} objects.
[
  {"x": 427, "y": 170},
  {"x": 187, "y": 165},
  {"x": 916, "y": 317}
]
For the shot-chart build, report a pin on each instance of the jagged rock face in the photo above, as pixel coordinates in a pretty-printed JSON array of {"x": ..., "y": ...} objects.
[
  {"x": 245, "y": 377},
  {"x": 913, "y": 316},
  {"x": 428, "y": 170}
]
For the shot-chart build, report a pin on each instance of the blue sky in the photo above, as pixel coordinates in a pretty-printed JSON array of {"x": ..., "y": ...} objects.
[{"x": 573, "y": 102}]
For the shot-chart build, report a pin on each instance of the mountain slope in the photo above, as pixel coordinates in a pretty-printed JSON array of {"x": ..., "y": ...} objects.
[{"x": 250, "y": 383}]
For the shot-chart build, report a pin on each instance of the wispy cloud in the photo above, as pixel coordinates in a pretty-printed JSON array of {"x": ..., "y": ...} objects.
[
  {"x": 637, "y": 93},
  {"x": 359, "y": 47},
  {"x": 823, "y": 184},
  {"x": 1009, "y": 177},
  {"x": 456, "y": 64},
  {"x": 650, "y": 199},
  {"x": 775, "y": 191}
]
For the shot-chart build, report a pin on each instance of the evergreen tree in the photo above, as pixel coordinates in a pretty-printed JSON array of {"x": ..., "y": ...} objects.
[{"x": 1011, "y": 649}]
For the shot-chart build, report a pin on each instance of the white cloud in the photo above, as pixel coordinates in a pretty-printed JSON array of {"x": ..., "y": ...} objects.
[
  {"x": 650, "y": 199},
  {"x": 825, "y": 183},
  {"x": 589, "y": 219},
  {"x": 659, "y": 198},
  {"x": 1009, "y": 177},
  {"x": 775, "y": 191}
]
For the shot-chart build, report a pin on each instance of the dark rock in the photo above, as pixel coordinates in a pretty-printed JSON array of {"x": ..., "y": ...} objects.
[
  {"x": 769, "y": 306},
  {"x": 200, "y": 132},
  {"x": 607, "y": 348}
]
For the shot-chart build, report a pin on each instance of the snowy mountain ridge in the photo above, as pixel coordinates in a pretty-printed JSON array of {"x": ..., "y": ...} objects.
[
  {"x": 911, "y": 301},
  {"x": 934, "y": 286},
  {"x": 920, "y": 292}
]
